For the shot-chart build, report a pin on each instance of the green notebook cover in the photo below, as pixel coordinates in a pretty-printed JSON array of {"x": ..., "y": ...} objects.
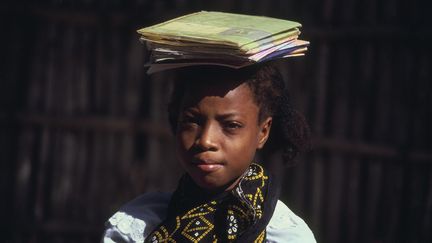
[{"x": 236, "y": 30}]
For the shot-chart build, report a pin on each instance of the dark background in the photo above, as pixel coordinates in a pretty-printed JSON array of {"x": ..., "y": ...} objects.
[{"x": 83, "y": 129}]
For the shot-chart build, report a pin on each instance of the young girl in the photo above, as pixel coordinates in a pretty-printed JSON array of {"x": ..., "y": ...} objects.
[{"x": 220, "y": 118}]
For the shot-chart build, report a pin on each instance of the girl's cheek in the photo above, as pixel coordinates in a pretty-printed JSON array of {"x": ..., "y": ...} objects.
[{"x": 186, "y": 139}]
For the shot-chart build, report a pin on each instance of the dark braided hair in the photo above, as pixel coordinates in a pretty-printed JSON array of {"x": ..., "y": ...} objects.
[{"x": 289, "y": 131}]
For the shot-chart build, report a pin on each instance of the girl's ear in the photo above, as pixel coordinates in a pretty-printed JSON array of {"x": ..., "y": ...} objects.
[{"x": 264, "y": 132}]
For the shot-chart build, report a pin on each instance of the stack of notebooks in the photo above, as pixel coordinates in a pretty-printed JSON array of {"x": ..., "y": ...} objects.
[{"x": 216, "y": 38}]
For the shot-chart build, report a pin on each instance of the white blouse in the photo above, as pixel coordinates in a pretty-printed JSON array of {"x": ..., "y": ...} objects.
[{"x": 137, "y": 219}]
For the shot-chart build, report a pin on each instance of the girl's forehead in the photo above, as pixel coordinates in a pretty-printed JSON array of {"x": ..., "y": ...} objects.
[
  {"x": 195, "y": 83},
  {"x": 236, "y": 102}
]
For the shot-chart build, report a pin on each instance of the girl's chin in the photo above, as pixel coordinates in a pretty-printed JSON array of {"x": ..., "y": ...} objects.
[
  {"x": 209, "y": 185},
  {"x": 214, "y": 184}
]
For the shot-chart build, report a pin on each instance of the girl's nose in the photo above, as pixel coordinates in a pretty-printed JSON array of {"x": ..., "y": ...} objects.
[{"x": 207, "y": 139}]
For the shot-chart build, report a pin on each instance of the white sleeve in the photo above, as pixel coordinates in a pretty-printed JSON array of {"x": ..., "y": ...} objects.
[
  {"x": 135, "y": 220},
  {"x": 114, "y": 235},
  {"x": 286, "y": 227}
]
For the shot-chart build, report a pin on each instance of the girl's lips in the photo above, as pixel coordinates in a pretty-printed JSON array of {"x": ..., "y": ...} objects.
[{"x": 207, "y": 165}]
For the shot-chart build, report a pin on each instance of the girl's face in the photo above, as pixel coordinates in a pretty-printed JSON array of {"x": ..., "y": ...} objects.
[{"x": 218, "y": 133}]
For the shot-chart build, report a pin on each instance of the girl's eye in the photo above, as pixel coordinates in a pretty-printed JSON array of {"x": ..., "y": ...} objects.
[
  {"x": 189, "y": 121},
  {"x": 232, "y": 126}
]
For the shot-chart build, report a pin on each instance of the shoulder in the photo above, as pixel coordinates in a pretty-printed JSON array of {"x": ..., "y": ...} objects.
[
  {"x": 135, "y": 220},
  {"x": 287, "y": 227}
]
